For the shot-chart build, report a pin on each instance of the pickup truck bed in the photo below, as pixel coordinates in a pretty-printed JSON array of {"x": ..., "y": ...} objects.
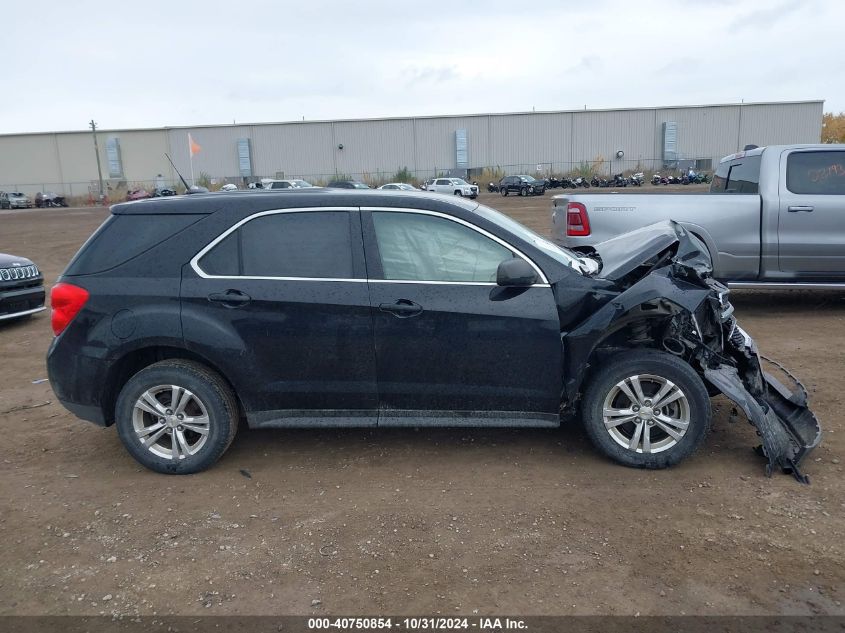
[{"x": 774, "y": 216}]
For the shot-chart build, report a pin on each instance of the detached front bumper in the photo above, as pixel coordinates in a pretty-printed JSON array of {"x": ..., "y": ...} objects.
[{"x": 774, "y": 401}]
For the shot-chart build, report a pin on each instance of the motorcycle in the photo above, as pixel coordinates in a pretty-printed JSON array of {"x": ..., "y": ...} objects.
[
  {"x": 638, "y": 179},
  {"x": 619, "y": 180},
  {"x": 656, "y": 179},
  {"x": 553, "y": 182},
  {"x": 582, "y": 182},
  {"x": 163, "y": 192},
  {"x": 492, "y": 187},
  {"x": 594, "y": 181}
]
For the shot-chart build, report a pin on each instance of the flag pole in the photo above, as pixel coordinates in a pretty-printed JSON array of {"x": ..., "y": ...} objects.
[{"x": 191, "y": 159}]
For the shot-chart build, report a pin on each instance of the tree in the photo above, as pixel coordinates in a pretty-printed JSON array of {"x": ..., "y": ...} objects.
[{"x": 833, "y": 128}]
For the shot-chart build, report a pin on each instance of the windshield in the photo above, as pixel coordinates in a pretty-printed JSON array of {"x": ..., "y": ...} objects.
[
  {"x": 301, "y": 183},
  {"x": 359, "y": 185},
  {"x": 527, "y": 179},
  {"x": 562, "y": 255},
  {"x": 459, "y": 181},
  {"x": 15, "y": 194},
  {"x": 406, "y": 187}
]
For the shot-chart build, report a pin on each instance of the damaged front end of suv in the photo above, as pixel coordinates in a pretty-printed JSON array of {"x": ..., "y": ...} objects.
[{"x": 657, "y": 291}]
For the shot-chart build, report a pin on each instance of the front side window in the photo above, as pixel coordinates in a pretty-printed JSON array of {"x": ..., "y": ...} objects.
[
  {"x": 418, "y": 247},
  {"x": 819, "y": 173},
  {"x": 314, "y": 245}
]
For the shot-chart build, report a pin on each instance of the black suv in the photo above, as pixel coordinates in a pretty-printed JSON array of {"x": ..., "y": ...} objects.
[
  {"x": 319, "y": 307},
  {"x": 523, "y": 185},
  {"x": 21, "y": 287}
]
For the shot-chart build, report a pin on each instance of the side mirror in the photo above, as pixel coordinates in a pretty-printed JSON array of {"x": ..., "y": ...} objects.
[{"x": 515, "y": 273}]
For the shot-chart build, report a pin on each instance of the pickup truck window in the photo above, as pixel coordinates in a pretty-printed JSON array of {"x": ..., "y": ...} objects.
[
  {"x": 813, "y": 173},
  {"x": 741, "y": 175}
]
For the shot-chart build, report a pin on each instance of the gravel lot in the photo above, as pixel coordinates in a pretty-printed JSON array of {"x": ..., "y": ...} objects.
[{"x": 527, "y": 522}]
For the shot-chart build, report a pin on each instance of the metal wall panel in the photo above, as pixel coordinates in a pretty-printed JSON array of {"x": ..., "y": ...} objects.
[
  {"x": 781, "y": 125},
  {"x": 297, "y": 149},
  {"x": 703, "y": 132},
  {"x": 530, "y": 139},
  {"x": 423, "y": 145},
  {"x": 434, "y": 143},
  {"x": 375, "y": 147},
  {"x": 599, "y": 135},
  {"x": 31, "y": 159},
  {"x": 218, "y": 156}
]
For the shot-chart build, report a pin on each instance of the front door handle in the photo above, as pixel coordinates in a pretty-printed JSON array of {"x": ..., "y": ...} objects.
[
  {"x": 230, "y": 298},
  {"x": 403, "y": 308},
  {"x": 799, "y": 208}
]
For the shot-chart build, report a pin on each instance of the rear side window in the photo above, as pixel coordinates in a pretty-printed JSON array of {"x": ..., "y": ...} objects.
[
  {"x": 821, "y": 173},
  {"x": 123, "y": 237},
  {"x": 314, "y": 245},
  {"x": 741, "y": 175}
]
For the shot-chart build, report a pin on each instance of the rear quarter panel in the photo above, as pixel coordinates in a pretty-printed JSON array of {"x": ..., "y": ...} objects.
[{"x": 728, "y": 224}]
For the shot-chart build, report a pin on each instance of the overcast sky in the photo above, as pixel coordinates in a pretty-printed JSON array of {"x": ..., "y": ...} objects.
[{"x": 153, "y": 63}]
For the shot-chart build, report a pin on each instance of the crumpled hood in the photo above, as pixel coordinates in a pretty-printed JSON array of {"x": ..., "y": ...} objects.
[
  {"x": 7, "y": 261},
  {"x": 620, "y": 255}
]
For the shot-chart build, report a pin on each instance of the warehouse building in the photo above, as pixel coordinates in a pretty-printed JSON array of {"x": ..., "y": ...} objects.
[{"x": 606, "y": 141}]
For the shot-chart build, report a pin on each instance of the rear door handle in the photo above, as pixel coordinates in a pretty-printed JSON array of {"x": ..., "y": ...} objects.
[
  {"x": 799, "y": 208},
  {"x": 403, "y": 308},
  {"x": 230, "y": 298}
]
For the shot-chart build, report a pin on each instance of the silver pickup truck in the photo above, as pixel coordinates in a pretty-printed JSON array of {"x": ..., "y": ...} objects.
[{"x": 774, "y": 217}]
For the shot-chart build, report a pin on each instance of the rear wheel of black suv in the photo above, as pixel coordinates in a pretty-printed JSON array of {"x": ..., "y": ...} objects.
[
  {"x": 646, "y": 409},
  {"x": 503, "y": 190},
  {"x": 176, "y": 417}
]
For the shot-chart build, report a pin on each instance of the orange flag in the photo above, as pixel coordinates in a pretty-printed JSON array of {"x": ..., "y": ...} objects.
[{"x": 193, "y": 146}]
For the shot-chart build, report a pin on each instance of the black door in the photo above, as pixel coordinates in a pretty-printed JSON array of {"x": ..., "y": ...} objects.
[
  {"x": 452, "y": 347},
  {"x": 282, "y": 302}
]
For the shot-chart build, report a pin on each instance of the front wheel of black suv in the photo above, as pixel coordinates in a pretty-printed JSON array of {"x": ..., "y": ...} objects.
[
  {"x": 646, "y": 409},
  {"x": 176, "y": 417}
]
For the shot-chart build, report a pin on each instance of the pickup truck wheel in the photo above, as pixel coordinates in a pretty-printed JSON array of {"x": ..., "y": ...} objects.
[
  {"x": 458, "y": 193},
  {"x": 503, "y": 191},
  {"x": 176, "y": 417},
  {"x": 646, "y": 409}
]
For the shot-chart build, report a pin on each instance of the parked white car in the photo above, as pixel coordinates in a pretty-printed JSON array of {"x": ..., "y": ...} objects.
[
  {"x": 400, "y": 186},
  {"x": 454, "y": 186},
  {"x": 285, "y": 184}
]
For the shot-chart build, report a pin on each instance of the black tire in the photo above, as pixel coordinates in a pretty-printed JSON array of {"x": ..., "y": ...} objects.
[
  {"x": 696, "y": 405},
  {"x": 523, "y": 192},
  {"x": 206, "y": 386},
  {"x": 503, "y": 191},
  {"x": 458, "y": 193}
]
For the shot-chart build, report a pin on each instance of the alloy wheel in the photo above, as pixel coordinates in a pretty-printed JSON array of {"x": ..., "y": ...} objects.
[
  {"x": 171, "y": 422},
  {"x": 646, "y": 413}
]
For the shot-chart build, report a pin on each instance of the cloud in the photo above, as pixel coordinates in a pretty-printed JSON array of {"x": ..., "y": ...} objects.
[
  {"x": 767, "y": 18},
  {"x": 203, "y": 61}
]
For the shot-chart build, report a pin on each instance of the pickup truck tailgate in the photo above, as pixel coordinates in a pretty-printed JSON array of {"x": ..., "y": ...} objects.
[{"x": 731, "y": 221}]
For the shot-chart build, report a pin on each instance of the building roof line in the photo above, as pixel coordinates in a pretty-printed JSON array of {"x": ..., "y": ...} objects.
[{"x": 415, "y": 117}]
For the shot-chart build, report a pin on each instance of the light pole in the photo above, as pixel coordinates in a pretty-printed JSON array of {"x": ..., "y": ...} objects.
[{"x": 97, "y": 154}]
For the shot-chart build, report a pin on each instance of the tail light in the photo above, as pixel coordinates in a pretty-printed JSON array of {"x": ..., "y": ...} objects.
[
  {"x": 577, "y": 221},
  {"x": 66, "y": 300}
]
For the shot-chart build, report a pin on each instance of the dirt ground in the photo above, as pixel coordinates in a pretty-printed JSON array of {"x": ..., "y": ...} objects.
[{"x": 528, "y": 522}]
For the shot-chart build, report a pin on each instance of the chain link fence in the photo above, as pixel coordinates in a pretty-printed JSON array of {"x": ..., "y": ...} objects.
[{"x": 87, "y": 192}]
